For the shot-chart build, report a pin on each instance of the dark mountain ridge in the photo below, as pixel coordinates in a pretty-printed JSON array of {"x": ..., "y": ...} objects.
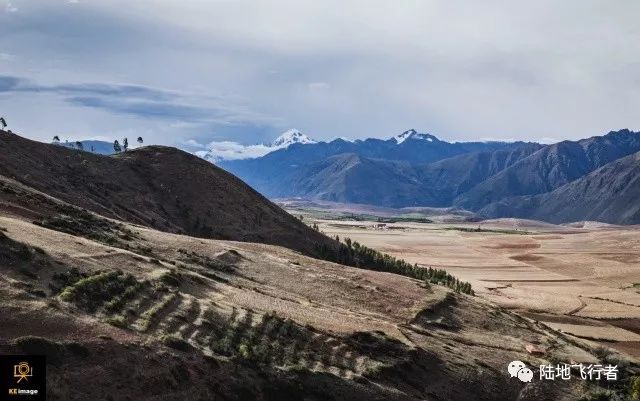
[
  {"x": 610, "y": 194},
  {"x": 551, "y": 167}
]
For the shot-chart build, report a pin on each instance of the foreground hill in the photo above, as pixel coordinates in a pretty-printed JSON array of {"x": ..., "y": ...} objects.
[
  {"x": 154, "y": 186},
  {"x": 609, "y": 194}
]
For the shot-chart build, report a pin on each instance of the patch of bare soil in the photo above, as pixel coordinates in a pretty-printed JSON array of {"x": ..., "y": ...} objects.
[
  {"x": 514, "y": 245},
  {"x": 526, "y": 258}
]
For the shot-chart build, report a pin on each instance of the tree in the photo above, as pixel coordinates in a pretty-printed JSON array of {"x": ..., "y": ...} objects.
[
  {"x": 3, "y": 122},
  {"x": 56, "y": 139},
  {"x": 125, "y": 144},
  {"x": 140, "y": 141},
  {"x": 634, "y": 387},
  {"x": 116, "y": 146},
  {"x": 79, "y": 145}
]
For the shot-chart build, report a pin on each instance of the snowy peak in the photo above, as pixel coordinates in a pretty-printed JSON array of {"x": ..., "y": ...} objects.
[
  {"x": 290, "y": 137},
  {"x": 413, "y": 134},
  {"x": 229, "y": 150}
]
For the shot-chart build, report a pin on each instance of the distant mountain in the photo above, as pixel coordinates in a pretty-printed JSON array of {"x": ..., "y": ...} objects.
[
  {"x": 350, "y": 178},
  {"x": 415, "y": 169},
  {"x": 551, "y": 167},
  {"x": 275, "y": 173},
  {"x": 228, "y": 150},
  {"x": 610, "y": 194}
]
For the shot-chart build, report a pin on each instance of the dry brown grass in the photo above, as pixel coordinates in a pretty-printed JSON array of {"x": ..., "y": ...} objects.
[{"x": 587, "y": 272}]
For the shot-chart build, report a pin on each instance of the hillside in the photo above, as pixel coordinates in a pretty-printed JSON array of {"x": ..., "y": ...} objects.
[
  {"x": 208, "y": 319},
  {"x": 154, "y": 186},
  {"x": 351, "y": 178},
  {"x": 609, "y": 194}
]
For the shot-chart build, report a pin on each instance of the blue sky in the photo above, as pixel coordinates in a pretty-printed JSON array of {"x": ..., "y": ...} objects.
[{"x": 246, "y": 70}]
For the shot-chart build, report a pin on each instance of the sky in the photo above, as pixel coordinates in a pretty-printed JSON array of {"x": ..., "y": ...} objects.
[{"x": 191, "y": 72}]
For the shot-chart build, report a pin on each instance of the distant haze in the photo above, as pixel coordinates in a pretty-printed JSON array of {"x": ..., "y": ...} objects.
[{"x": 194, "y": 72}]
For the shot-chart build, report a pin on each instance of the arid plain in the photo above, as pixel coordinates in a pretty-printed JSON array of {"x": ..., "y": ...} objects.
[{"x": 582, "y": 279}]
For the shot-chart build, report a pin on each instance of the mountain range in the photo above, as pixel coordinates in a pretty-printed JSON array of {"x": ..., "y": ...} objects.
[{"x": 493, "y": 179}]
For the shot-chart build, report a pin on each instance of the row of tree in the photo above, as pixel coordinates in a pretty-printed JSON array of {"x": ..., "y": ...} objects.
[
  {"x": 125, "y": 144},
  {"x": 352, "y": 253},
  {"x": 116, "y": 145}
]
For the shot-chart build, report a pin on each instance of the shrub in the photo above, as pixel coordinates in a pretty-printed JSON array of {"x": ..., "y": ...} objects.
[
  {"x": 244, "y": 351},
  {"x": 634, "y": 388},
  {"x": 91, "y": 292},
  {"x": 176, "y": 343},
  {"x": 117, "y": 321}
]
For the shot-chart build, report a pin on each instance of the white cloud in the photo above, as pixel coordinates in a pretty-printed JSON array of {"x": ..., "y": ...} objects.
[
  {"x": 354, "y": 68},
  {"x": 232, "y": 150},
  {"x": 10, "y": 8}
]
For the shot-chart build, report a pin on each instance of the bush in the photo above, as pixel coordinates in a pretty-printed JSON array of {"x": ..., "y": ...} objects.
[
  {"x": 244, "y": 351},
  {"x": 91, "y": 292},
  {"x": 176, "y": 343},
  {"x": 117, "y": 321},
  {"x": 634, "y": 388}
]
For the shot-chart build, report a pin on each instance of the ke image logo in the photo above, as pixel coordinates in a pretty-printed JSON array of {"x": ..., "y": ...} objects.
[
  {"x": 22, "y": 371},
  {"x": 23, "y": 377}
]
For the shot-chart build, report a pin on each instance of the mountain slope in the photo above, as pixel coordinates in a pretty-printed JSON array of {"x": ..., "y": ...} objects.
[
  {"x": 551, "y": 167},
  {"x": 349, "y": 178},
  {"x": 609, "y": 194},
  {"x": 155, "y": 186}
]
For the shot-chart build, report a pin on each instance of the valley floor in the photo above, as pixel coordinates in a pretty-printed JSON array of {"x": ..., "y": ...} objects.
[{"x": 582, "y": 279}]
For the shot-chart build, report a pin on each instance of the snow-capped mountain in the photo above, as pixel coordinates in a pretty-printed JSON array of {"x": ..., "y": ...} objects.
[
  {"x": 413, "y": 134},
  {"x": 228, "y": 150},
  {"x": 290, "y": 137}
]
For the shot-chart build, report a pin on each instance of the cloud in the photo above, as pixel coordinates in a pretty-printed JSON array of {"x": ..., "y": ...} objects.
[
  {"x": 228, "y": 150},
  {"x": 140, "y": 101},
  {"x": 357, "y": 68}
]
